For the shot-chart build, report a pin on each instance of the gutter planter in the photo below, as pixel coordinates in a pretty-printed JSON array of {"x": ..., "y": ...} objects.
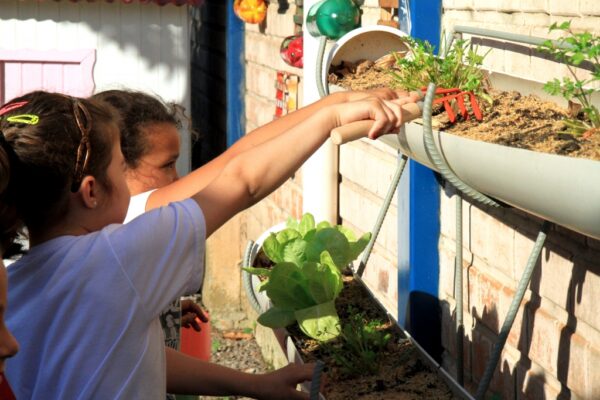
[
  {"x": 560, "y": 189},
  {"x": 366, "y": 352}
]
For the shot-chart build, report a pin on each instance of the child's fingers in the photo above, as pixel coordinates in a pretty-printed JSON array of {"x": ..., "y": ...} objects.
[
  {"x": 388, "y": 118},
  {"x": 188, "y": 306}
]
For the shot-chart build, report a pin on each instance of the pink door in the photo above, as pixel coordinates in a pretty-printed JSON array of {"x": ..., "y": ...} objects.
[{"x": 69, "y": 72}]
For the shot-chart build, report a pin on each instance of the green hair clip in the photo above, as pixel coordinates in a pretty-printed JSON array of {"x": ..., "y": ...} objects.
[{"x": 28, "y": 119}]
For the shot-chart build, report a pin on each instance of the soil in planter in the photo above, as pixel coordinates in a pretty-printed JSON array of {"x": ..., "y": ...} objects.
[
  {"x": 512, "y": 119},
  {"x": 402, "y": 373}
]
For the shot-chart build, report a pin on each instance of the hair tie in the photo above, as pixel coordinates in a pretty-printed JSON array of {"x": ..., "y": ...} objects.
[
  {"x": 29, "y": 119},
  {"x": 11, "y": 106}
]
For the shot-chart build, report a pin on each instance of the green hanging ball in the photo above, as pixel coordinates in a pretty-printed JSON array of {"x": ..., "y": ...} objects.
[{"x": 332, "y": 18}]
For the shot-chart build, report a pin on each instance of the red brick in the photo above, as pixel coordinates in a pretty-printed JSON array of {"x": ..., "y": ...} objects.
[
  {"x": 545, "y": 339},
  {"x": 482, "y": 345},
  {"x": 533, "y": 386},
  {"x": 383, "y": 281},
  {"x": 484, "y": 298},
  {"x": 592, "y": 390},
  {"x": 573, "y": 363}
]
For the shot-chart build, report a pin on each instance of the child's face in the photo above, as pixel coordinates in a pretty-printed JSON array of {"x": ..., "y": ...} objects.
[
  {"x": 8, "y": 343},
  {"x": 156, "y": 169}
]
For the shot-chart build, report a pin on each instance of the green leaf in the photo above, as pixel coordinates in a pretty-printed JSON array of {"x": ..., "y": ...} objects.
[
  {"x": 307, "y": 223},
  {"x": 258, "y": 271},
  {"x": 276, "y": 317},
  {"x": 323, "y": 225},
  {"x": 357, "y": 247},
  {"x": 294, "y": 251},
  {"x": 346, "y": 232},
  {"x": 320, "y": 322},
  {"x": 334, "y": 242},
  {"x": 288, "y": 287},
  {"x": 287, "y": 234},
  {"x": 324, "y": 281},
  {"x": 273, "y": 248}
]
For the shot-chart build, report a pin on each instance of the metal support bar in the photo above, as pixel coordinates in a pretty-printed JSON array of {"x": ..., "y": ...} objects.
[
  {"x": 458, "y": 290},
  {"x": 439, "y": 161},
  {"x": 382, "y": 211},
  {"x": 512, "y": 311}
]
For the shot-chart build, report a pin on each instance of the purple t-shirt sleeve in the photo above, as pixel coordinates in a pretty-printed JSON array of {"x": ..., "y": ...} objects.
[{"x": 162, "y": 253}]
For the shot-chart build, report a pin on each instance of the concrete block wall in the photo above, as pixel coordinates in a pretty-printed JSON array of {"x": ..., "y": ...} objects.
[
  {"x": 553, "y": 347},
  {"x": 554, "y": 344},
  {"x": 532, "y": 17}
]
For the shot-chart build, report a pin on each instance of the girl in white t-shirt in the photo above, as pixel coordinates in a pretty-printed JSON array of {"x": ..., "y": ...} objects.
[
  {"x": 86, "y": 297},
  {"x": 150, "y": 146}
]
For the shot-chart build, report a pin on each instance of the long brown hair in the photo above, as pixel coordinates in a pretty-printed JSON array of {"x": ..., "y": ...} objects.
[{"x": 41, "y": 138}]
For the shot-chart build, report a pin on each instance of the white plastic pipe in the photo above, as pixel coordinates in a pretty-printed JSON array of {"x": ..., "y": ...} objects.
[{"x": 319, "y": 172}]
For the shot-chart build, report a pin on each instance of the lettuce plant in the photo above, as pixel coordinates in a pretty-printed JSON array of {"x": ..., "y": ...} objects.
[
  {"x": 306, "y": 278},
  {"x": 303, "y": 241}
]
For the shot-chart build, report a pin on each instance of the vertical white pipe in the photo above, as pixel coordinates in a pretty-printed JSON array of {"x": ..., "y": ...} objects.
[{"x": 319, "y": 172}]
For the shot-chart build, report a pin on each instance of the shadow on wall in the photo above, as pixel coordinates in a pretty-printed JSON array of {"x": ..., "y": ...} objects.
[{"x": 543, "y": 357}]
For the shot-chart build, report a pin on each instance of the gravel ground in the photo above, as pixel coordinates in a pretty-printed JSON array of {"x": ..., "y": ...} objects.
[{"x": 241, "y": 353}]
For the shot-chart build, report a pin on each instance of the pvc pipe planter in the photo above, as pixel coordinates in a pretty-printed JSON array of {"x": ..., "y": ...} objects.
[
  {"x": 560, "y": 189},
  {"x": 369, "y": 42},
  {"x": 286, "y": 342},
  {"x": 260, "y": 300}
]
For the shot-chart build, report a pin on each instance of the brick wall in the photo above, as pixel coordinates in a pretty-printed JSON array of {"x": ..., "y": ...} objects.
[{"x": 554, "y": 345}]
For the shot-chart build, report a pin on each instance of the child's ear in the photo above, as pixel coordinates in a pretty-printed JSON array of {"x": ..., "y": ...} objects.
[{"x": 89, "y": 191}]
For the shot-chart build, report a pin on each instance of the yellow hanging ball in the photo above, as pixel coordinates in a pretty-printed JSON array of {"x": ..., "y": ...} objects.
[{"x": 250, "y": 11}]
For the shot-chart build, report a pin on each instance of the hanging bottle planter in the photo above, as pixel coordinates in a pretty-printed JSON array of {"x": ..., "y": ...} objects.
[
  {"x": 332, "y": 18},
  {"x": 250, "y": 11},
  {"x": 291, "y": 50}
]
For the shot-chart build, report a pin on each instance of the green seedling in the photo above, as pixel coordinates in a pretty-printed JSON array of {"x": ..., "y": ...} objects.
[
  {"x": 573, "y": 49},
  {"x": 360, "y": 345},
  {"x": 459, "y": 68}
]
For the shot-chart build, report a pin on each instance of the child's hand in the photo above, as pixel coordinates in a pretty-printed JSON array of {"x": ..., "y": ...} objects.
[
  {"x": 281, "y": 384},
  {"x": 386, "y": 114},
  {"x": 190, "y": 313}
]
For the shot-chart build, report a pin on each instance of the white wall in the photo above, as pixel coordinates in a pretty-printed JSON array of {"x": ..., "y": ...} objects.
[{"x": 138, "y": 46}]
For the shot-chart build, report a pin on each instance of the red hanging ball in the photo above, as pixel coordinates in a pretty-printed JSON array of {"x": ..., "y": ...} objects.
[{"x": 291, "y": 50}]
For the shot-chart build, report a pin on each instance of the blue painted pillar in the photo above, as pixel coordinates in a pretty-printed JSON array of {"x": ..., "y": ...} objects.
[
  {"x": 419, "y": 221},
  {"x": 236, "y": 83}
]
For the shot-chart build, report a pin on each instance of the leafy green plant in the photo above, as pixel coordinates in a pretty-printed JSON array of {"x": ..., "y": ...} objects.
[
  {"x": 361, "y": 345},
  {"x": 573, "y": 49},
  {"x": 459, "y": 68},
  {"x": 304, "y": 240},
  {"x": 306, "y": 278},
  {"x": 305, "y": 294}
]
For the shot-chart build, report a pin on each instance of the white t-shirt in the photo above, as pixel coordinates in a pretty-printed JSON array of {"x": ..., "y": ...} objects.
[
  {"x": 137, "y": 205},
  {"x": 85, "y": 308}
]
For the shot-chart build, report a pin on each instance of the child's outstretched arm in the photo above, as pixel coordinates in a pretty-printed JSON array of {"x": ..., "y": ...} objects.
[
  {"x": 188, "y": 375},
  {"x": 200, "y": 177},
  {"x": 258, "y": 171}
]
